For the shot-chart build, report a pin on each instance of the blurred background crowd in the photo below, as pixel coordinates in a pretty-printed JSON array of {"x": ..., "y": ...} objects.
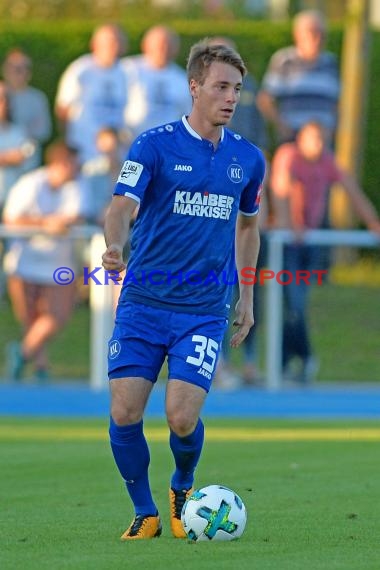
[{"x": 62, "y": 146}]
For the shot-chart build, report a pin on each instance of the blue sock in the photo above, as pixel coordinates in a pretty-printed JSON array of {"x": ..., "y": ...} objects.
[
  {"x": 131, "y": 454},
  {"x": 186, "y": 451}
]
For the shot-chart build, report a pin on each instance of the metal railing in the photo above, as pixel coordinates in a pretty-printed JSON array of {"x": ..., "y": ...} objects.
[{"x": 274, "y": 310}]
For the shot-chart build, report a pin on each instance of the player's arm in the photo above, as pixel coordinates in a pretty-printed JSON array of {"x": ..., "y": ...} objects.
[
  {"x": 247, "y": 245},
  {"x": 116, "y": 231}
]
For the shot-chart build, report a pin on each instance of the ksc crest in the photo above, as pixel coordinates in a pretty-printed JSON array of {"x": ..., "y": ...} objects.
[{"x": 235, "y": 173}]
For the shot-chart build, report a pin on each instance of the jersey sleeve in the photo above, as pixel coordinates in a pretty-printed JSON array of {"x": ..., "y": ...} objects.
[
  {"x": 137, "y": 170},
  {"x": 250, "y": 198}
]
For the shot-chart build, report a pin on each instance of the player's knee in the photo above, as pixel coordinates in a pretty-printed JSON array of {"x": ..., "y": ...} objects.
[
  {"x": 123, "y": 416},
  {"x": 181, "y": 423}
]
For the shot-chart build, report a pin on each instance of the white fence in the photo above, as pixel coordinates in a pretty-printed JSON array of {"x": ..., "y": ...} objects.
[{"x": 101, "y": 298}]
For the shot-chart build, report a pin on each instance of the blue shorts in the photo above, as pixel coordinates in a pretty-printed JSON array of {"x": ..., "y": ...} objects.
[{"x": 144, "y": 336}]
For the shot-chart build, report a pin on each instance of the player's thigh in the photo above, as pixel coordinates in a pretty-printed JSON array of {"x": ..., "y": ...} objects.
[
  {"x": 183, "y": 405},
  {"x": 192, "y": 356},
  {"x": 129, "y": 397},
  {"x": 137, "y": 348},
  {"x": 195, "y": 347}
]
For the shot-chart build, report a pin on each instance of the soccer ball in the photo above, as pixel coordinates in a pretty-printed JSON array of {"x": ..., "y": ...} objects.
[{"x": 214, "y": 513}]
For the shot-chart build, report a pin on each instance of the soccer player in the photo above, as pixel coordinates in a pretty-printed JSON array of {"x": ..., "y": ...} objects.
[{"x": 198, "y": 189}]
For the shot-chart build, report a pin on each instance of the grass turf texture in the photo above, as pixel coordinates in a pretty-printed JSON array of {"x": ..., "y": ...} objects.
[{"x": 311, "y": 503}]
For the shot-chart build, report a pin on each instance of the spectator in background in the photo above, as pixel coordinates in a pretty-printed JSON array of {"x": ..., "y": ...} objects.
[
  {"x": 301, "y": 175},
  {"x": 302, "y": 81},
  {"x": 51, "y": 199},
  {"x": 29, "y": 106},
  {"x": 103, "y": 170},
  {"x": 158, "y": 87},
  {"x": 16, "y": 149},
  {"x": 92, "y": 92}
]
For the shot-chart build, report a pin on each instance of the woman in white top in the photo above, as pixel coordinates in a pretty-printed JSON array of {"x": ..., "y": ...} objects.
[{"x": 50, "y": 199}]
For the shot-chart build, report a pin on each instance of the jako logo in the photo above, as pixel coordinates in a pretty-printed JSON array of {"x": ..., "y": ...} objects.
[
  {"x": 183, "y": 167},
  {"x": 235, "y": 173}
]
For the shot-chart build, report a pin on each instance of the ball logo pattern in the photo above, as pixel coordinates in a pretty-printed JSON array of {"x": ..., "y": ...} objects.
[{"x": 214, "y": 513}]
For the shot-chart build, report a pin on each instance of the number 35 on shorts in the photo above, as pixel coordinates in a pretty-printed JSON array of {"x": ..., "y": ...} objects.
[{"x": 206, "y": 350}]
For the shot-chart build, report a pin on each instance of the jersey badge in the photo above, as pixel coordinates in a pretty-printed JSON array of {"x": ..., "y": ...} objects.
[
  {"x": 235, "y": 173},
  {"x": 130, "y": 173}
]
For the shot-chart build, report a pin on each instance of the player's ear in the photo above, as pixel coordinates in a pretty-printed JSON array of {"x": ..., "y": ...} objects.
[{"x": 194, "y": 88}]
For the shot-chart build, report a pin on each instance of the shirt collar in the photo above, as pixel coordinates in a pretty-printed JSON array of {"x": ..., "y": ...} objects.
[{"x": 193, "y": 133}]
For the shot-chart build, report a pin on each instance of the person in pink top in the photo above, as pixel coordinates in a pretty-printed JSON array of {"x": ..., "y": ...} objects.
[{"x": 301, "y": 176}]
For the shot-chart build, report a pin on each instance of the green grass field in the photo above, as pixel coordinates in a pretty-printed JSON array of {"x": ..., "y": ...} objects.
[{"x": 311, "y": 491}]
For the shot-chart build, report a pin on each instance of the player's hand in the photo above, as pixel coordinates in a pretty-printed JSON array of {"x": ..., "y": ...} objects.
[
  {"x": 243, "y": 321},
  {"x": 112, "y": 260}
]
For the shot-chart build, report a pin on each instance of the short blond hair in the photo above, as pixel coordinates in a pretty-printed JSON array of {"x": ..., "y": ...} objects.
[{"x": 205, "y": 52}]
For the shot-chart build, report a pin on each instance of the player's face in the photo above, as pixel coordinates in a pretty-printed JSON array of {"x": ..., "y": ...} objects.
[{"x": 216, "y": 98}]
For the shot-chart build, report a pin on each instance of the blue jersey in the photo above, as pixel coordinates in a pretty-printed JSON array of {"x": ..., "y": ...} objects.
[{"x": 182, "y": 245}]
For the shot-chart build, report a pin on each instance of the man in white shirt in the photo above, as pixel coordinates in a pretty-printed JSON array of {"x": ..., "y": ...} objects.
[
  {"x": 158, "y": 90},
  {"x": 92, "y": 92}
]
